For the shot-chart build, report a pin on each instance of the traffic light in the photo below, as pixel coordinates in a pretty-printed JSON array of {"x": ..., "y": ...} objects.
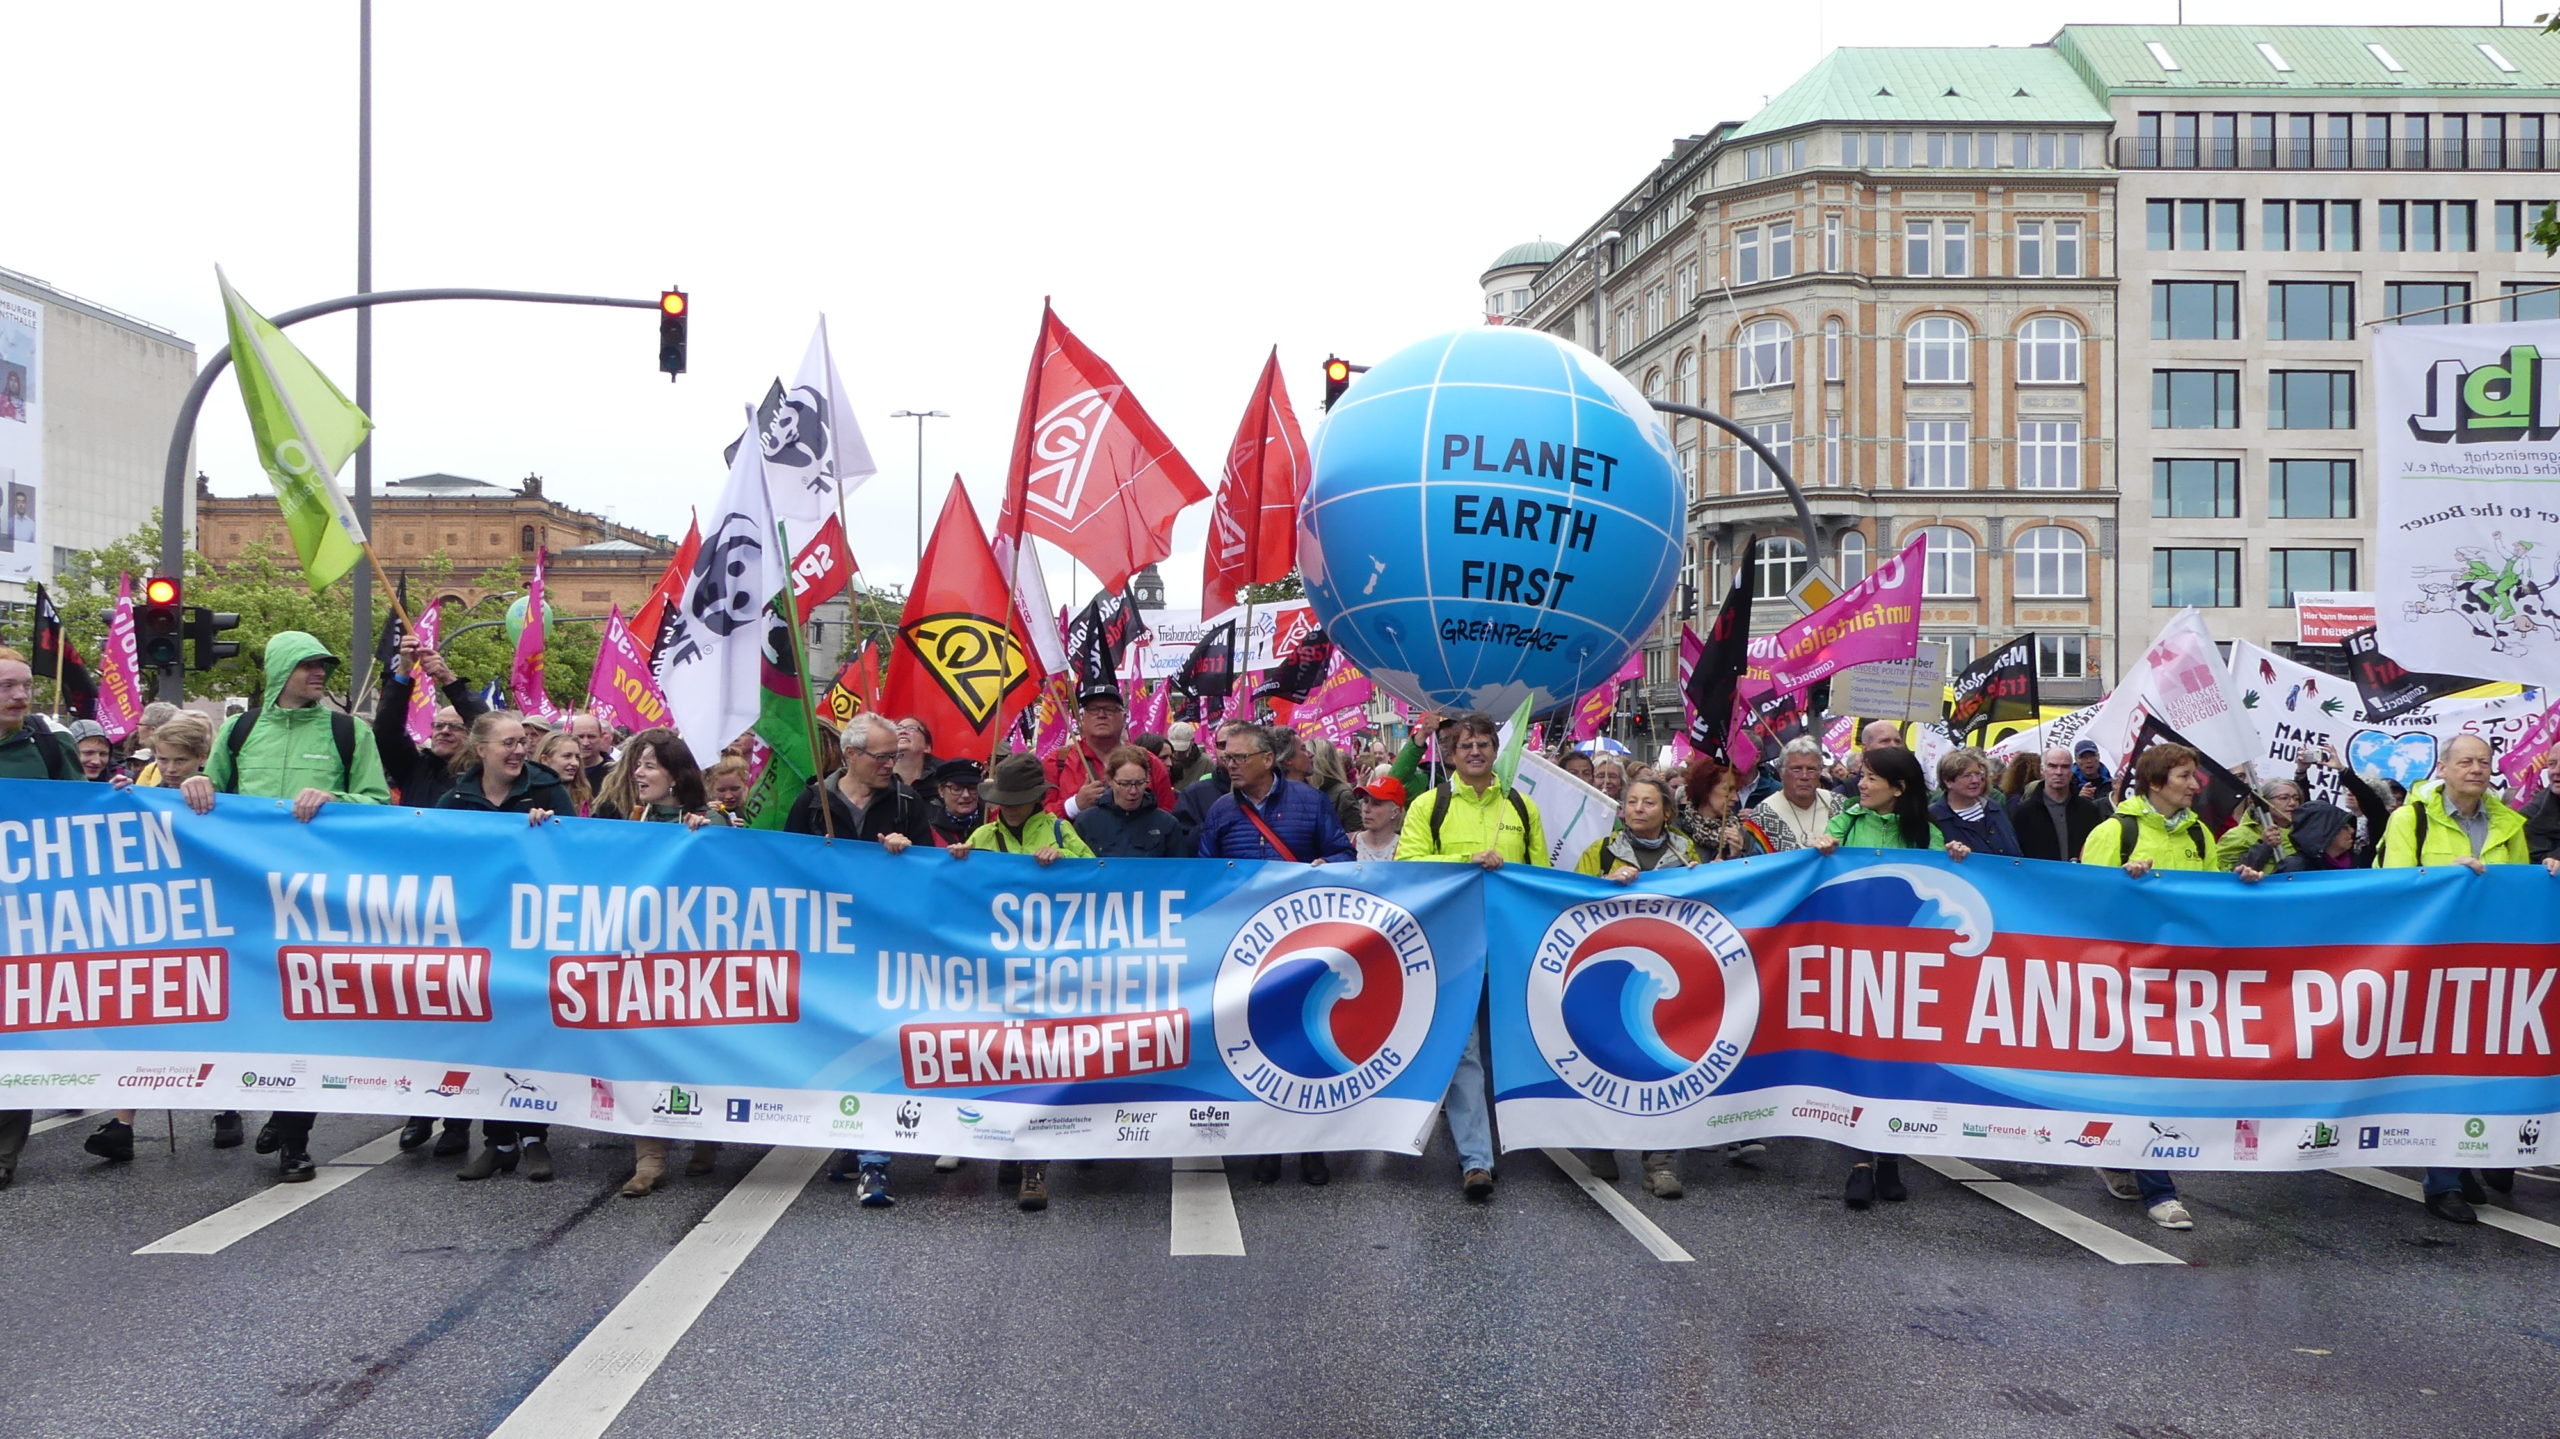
[
  {"x": 1337, "y": 378},
  {"x": 673, "y": 314},
  {"x": 156, "y": 624},
  {"x": 204, "y": 630}
]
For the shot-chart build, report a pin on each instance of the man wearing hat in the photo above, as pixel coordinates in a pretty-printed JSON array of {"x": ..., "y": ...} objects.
[
  {"x": 2094, "y": 781},
  {"x": 951, "y": 795},
  {"x": 1184, "y": 759},
  {"x": 1078, "y": 776}
]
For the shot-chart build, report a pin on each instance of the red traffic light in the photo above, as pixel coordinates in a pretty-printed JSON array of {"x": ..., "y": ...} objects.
[
  {"x": 671, "y": 302},
  {"x": 160, "y": 590}
]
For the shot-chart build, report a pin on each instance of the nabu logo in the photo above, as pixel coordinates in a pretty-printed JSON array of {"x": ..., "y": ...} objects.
[{"x": 2476, "y": 404}]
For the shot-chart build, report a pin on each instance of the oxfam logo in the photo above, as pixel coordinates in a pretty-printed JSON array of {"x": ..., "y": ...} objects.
[
  {"x": 2475, "y": 1127},
  {"x": 850, "y": 1104}
]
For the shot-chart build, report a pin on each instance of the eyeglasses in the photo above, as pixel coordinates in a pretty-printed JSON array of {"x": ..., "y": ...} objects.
[
  {"x": 884, "y": 756},
  {"x": 447, "y": 729},
  {"x": 1244, "y": 754},
  {"x": 1132, "y": 784},
  {"x": 1473, "y": 745}
]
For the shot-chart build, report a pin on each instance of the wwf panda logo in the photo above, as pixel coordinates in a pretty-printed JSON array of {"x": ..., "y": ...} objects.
[
  {"x": 728, "y": 588},
  {"x": 792, "y": 430}
]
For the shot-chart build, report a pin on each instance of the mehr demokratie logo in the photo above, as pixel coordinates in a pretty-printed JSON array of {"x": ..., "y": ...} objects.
[
  {"x": 1323, "y": 998},
  {"x": 1643, "y": 1005}
]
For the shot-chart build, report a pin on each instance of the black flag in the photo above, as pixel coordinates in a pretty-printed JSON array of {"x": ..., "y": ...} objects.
[
  {"x": 1210, "y": 671},
  {"x": 1098, "y": 638},
  {"x": 1300, "y": 671},
  {"x": 57, "y": 656},
  {"x": 2389, "y": 690},
  {"x": 2224, "y": 795},
  {"x": 1999, "y": 686},
  {"x": 1721, "y": 662}
]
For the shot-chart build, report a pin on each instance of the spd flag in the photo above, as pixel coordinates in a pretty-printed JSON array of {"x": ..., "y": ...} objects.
[
  {"x": 1253, "y": 527},
  {"x": 1091, "y": 472},
  {"x": 965, "y": 668}
]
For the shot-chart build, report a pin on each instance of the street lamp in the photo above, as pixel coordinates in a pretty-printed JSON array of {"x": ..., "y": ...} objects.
[{"x": 920, "y": 416}]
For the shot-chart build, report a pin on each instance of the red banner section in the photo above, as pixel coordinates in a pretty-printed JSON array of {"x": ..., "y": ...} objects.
[
  {"x": 135, "y": 986},
  {"x": 674, "y": 990},
  {"x": 941, "y": 1056}
]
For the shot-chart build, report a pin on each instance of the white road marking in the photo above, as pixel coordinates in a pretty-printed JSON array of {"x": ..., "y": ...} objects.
[
  {"x": 2107, "y": 1243},
  {"x": 47, "y": 1126},
  {"x": 1630, "y": 1218},
  {"x": 582, "y": 1397},
  {"x": 1204, "y": 1209},
  {"x": 220, "y": 1230},
  {"x": 2537, "y": 1230}
]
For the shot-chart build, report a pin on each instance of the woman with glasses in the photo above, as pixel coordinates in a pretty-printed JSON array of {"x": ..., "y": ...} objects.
[
  {"x": 915, "y": 753},
  {"x": 1129, "y": 824}
]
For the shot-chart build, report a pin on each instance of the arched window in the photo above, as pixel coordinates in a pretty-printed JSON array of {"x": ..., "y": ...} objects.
[
  {"x": 1653, "y": 383},
  {"x": 1684, "y": 371},
  {"x": 1949, "y": 573},
  {"x": 1935, "y": 350},
  {"x": 1777, "y": 567},
  {"x": 1853, "y": 558},
  {"x": 1764, "y": 356},
  {"x": 2053, "y": 564},
  {"x": 2049, "y": 352}
]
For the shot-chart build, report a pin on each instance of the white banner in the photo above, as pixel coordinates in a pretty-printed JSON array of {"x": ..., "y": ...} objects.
[
  {"x": 2295, "y": 709},
  {"x": 2179, "y": 678},
  {"x": 22, "y": 545},
  {"x": 1912, "y": 689},
  {"x": 1171, "y": 634},
  {"x": 2467, "y": 566}
]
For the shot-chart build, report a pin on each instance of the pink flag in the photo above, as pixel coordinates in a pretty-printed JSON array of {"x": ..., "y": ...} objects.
[
  {"x": 623, "y": 691},
  {"x": 1153, "y": 712},
  {"x": 1055, "y": 724},
  {"x": 1691, "y": 649},
  {"x": 120, "y": 670},
  {"x": 1594, "y": 708},
  {"x": 524, "y": 680},
  {"x": 422, "y": 696},
  {"x": 1342, "y": 688},
  {"x": 1878, "y": 618},
  {"x": 2529, "y": 752}
]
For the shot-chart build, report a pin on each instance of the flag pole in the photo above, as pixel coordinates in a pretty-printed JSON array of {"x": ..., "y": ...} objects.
[
  {"x": 61, "y": 657},
  {"x": 800, "y": 666}
]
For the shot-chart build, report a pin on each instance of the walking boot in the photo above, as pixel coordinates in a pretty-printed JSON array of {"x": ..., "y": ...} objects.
[
  {"x": 1661, "y": 1176},
  {"x": 647, "y": 1169},
  {"x": 226, "y": 1129},
  {"x": 113, "y": 1142},
  {"x": 706, "y": 1153},
  {"x": 537, "y": 1161},
  {"x": 1034, "y": 1195},
  {"x": 491, "y": 1160}
]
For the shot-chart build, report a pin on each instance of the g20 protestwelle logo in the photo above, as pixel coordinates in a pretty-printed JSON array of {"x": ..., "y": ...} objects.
[
  {"x": 1643, "y": 1005},
  {"x": 1324, "y": 996}
]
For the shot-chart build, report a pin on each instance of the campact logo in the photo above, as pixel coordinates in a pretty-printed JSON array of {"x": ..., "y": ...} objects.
[
  {"x": 1828, "y": 1114},
  {"x": 2510, "y": 400},
  {"x": 167, "y": 1078},
  {"x": 1642, "y": 1009},
  {"x": 1323, "y": 998},
  {"x": 2094, "y": 1135}
]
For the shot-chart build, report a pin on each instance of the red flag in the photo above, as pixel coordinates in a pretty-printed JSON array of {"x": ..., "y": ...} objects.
[
  {"x": 669, "y": 590},
  {"x": 1091, "y": 473},
  {"x": 824, "y": 567},
  {"x": 966, "y": 661},
  {"x": 1253, "y": 528}
]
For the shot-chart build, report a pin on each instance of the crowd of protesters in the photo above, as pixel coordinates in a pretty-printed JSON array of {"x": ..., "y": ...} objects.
[{"x": 1245, "y": 790}]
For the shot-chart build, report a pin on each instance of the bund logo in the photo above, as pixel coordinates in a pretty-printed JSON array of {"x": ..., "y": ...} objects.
[
  {"x": 974, "y": 659},
  {"x": 1065, "y": 443}
]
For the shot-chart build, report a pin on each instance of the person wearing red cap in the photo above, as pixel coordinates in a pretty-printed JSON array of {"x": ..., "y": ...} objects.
[{"x": 1381, "y": 820}]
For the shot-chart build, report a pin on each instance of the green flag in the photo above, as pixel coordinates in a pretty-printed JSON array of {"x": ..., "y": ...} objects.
[
  {"x": 305, "y": 430},
  {"x": 1515, "y": 738},
  {"x": 782, "y": 722}
]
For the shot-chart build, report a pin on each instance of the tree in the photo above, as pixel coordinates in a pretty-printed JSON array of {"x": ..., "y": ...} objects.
[{"x": 1291, "y": 586}]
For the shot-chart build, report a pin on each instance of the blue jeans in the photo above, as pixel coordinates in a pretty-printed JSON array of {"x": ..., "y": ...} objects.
[
  {"x": 2444, "y": 1181},
  {"x": 1470, "y": 1112},
  {"x": 2155, "y": 1184}
]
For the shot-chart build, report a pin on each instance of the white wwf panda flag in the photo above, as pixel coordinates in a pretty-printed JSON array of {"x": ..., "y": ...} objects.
[
  {"x": 814, "y": 452},
  {"x": 711, "y": 650}
]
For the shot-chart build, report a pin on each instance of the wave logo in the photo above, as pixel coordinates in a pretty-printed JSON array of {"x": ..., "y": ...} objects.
[
  {"x": 1643, "y": 1006},
  {"x": 1323, "y": 998}
]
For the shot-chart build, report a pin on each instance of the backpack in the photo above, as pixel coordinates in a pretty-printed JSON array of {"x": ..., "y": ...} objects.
[
  {"x": 57, "y": 765},
  {"x": 2132, "y": 827},
  {"x": 1440, "y": 811},
  {"x": 342, "y": 729}
]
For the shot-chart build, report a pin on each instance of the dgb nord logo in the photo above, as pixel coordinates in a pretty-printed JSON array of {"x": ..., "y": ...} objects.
[{"x": 2513, "y": 399}]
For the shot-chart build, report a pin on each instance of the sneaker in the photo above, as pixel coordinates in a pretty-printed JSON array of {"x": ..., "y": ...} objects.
[
  {"x": 874, "y": 1193},
  {"x": 2120, "y": 1183},
  {"x": 1266, "y": 1168},
  {"x": 454, "y": 1140},
  {"x": 416, "y": 1133},
  {"x": 1862, "y": 1186},
  {"x": 1477, "y": 1184},
  {"x": 112, "y": 1141},
  {"x": 2473, "y": 1192},
  {"x": 1034, "y": 1194},
  {"x": 1312, "y": 1169},
  {"x": 2171, "y": 1214},
  {"x": 226, "y": 1129},
  {"x": 491, "y": 1160},
  {"x": 1661, "y": 1180},
  {"x": 841, "y": 1166},
  {"x": 268, "y": 1140},
  {"x": 1603, "y": 1164},
  {"x": 945, "y": 1163},
  {"x": 2451, "y": 1206},
  {"x": 1889, "y": 1186},
  {"x": 297, "y": 1167},
  {"x": 537, "y": 1160}
]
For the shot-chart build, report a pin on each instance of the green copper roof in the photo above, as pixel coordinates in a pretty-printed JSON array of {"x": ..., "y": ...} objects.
[
  {"x": 2324, "y": 59},
  {"x": 1535, "y": 252},
  {"x": 2029, "y": 86}
]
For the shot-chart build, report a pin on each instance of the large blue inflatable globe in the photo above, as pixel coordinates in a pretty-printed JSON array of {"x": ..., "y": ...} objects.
[{"x": 1495, "y": 513}]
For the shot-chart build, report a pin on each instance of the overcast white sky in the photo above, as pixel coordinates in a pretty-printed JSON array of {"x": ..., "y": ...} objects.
[{"x": 1192, "y": 183}]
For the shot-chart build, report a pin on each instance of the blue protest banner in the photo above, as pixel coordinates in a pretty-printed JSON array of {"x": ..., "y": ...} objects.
[{"x": 723, "y": 984}]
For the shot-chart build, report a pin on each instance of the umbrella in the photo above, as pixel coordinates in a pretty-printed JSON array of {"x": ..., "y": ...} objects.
[{"x": 1602, "y": 745}]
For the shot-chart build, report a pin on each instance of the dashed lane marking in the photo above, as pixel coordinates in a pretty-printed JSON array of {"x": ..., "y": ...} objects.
[{"x": 2112, "y": 1245}]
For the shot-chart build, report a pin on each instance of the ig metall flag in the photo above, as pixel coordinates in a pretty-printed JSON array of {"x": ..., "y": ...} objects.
[
  {"x": 305, "y": 430},
  {"x": 710, "y": 652}
]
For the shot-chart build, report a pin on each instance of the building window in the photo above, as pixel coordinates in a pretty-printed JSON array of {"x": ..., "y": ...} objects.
[
  {"x": 2062, "y": 657},
  {"x": 1935, "y": 350},
  {"x": 2206, "y": 579},
  {"x": 2536, "y": 301},
  {"x": 1948, "y": 572},
  {"x": 1746, "y": 256},
  {"x": 1782, "y": 249},
  {"x": 1653, "y": 383},
  {"x": 2308, "y": 225},
  {"x": 2195, "y": 489},
  {"x": 2192, "y": 224},
  {"x": 1653, "y": 310},
  {"x": 1687, "y": 280},
  {"x": 1937, "y": 450},
  {"x": 2512, "y": 223},
  {"x": 1852, "y": 558},
  {"x": 2049, "y": 351},
  {"x": 2049, "y": 455},
  {"x": 1831, "y": 450},
  {"x": 1755, "y": 476},
  {"x": 2195, "y": 399},
  {"x": 2292, "y": 570},
  {"x": 2426, "y": 224},
  {"x": 2310, "y": 310},
  {"x": 1689, "y": 470},
  {"x": 2311, "y": 489},
  {"x": 1831, "y": 243},
  {"x": 1683, "y": 371},
  {"x": 1937, "y": 247},
  {"x": 1777, "y": 566},
  {"x": 2426, "y": 303},
  {"x": 1626, "y": 328},
  {"x": 2195, "y": 310},
  {"x": 2049, "y": 248},
  {"x": 1764, "y": 356},
  {"x": 1831, "y": 332},
  {"x": 525, "y": 540},
  {"x": 2053, "y": 564},
  {"x": 1954, "y": 651},
  {"x": 2311, "y": 400}
]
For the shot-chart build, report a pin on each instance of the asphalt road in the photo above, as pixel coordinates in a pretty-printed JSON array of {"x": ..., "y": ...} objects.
[{"x": 762, "y": 1301}]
